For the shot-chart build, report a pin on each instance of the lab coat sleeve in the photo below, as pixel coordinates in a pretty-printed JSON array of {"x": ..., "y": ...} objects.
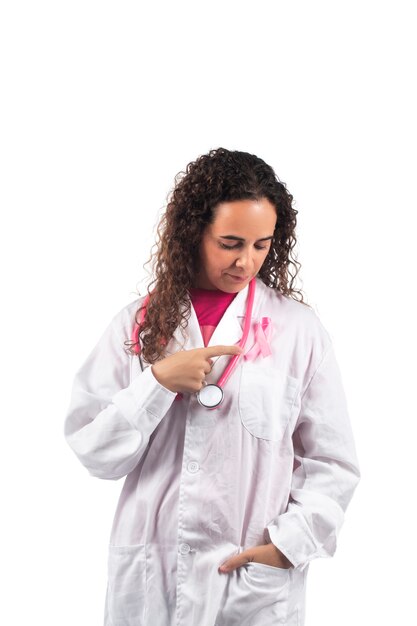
[
  {"x": 110, "y": 418},
  {"x": 325, "y": 470}
]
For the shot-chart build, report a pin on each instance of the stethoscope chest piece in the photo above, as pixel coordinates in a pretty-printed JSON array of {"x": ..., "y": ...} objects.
[{"x": 210, "y": 396}]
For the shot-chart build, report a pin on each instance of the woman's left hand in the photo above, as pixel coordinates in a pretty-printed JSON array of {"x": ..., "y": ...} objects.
[{"x": 267, "y": 554}]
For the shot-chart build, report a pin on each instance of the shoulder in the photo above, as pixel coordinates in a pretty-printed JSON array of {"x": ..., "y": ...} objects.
[
  {"x": 295, "y": 317},
  {"x": 123, "y": 321}
]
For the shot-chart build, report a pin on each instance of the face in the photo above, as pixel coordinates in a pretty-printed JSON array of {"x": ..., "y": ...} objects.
[{"x": 235, "y": 244}]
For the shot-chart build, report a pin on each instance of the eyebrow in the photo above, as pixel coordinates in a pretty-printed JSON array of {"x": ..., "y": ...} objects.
[{"x": 242, "y": 239}]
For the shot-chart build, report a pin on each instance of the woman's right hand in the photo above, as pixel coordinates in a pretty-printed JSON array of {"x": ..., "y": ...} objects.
[{"x": 185, "y": 370}]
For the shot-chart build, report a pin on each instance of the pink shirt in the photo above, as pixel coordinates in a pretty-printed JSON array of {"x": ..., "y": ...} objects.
[{"x": 209, "y": 306}]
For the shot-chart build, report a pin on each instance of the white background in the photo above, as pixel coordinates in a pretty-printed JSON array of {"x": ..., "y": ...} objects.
[{"x": 102, "y": 104}]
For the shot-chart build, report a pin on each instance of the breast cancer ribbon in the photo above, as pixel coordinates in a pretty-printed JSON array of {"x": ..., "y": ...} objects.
[{"x": 263, "y": 335}]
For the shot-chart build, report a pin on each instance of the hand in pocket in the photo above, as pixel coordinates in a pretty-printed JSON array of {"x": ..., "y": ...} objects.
[{"x": 267, "y": 554}]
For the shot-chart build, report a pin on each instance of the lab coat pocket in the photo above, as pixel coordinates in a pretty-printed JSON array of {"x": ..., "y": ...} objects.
[
  {"x": 266, "y": 399},
  {"x": 271, "y": 587},
  {"x": 256, "y": 595},
  {"x": 126, "y": 588}
]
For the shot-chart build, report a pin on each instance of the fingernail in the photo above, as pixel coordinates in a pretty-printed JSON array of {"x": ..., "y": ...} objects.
[{"x": 224, "y": 568}]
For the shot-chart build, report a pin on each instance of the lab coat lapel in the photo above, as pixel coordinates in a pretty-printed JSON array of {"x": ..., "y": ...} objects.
[{"x": 228, "y": 331}]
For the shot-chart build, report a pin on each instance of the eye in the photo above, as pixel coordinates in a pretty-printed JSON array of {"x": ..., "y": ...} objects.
[{"x": 222, "y": 245}]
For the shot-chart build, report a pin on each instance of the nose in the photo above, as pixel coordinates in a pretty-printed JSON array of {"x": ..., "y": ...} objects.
[{"x": 244, "y": 261}]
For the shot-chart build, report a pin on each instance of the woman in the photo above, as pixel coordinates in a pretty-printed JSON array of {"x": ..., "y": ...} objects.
[{"x": 230, "y": 492}]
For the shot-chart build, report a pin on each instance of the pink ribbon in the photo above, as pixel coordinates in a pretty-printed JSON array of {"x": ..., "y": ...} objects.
[{"x": 263, "y": 334}]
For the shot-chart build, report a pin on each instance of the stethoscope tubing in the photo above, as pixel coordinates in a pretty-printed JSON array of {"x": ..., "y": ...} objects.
[{"x": 248, "y": 317}]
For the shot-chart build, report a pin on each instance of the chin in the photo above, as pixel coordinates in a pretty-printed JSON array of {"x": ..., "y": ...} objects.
[{"x": 229, "y": 287}]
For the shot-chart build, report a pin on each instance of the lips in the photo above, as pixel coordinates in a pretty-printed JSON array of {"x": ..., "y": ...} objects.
[{"x": 239, "y": 277}]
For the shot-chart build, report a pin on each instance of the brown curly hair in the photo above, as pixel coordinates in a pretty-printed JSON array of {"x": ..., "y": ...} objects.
[{"x": 221, "y": 175}]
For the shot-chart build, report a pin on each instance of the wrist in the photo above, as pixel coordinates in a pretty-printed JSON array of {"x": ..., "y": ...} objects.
[
  {"x": 284, "y": 561},
  {"x": 161, "y": 379}
]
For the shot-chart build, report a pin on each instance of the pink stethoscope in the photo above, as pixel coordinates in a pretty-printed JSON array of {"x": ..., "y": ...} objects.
[{"x": 211, "y": 396}]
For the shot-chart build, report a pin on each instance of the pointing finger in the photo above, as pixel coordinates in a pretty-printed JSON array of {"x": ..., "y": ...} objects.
[{"x": 220, "y": 350}]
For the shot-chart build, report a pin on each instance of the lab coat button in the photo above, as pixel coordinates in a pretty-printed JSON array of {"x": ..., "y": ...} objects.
[
  {"x": 193, "y": 467},
  {"x": 184, "y": 548}
]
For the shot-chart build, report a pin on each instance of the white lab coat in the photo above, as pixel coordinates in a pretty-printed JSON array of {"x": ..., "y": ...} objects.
[{"x": 275, "y": 462}]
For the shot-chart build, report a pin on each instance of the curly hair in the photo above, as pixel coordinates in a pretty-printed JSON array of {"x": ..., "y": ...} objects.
[{"x": 219, "y": 176}]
